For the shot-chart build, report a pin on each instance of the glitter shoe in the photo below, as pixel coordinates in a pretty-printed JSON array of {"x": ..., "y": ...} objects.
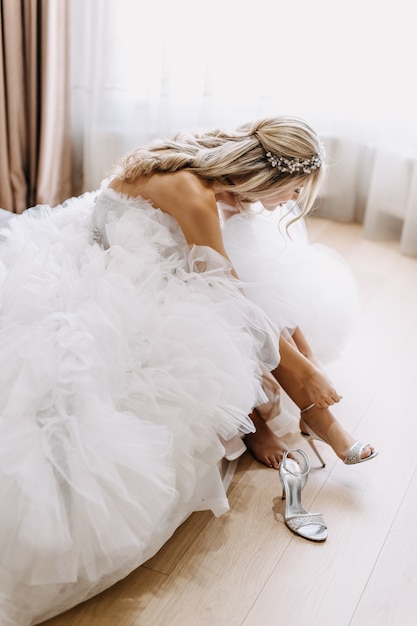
[
  {"x": 353, "y": 456},
  {"x": 293, "y": 477}
]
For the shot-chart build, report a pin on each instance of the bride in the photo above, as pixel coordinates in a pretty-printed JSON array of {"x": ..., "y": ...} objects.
[{"x": 133, "y": 349}]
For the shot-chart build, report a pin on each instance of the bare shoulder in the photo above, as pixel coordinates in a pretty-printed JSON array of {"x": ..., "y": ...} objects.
[
  {"x": 182, "y": 190},
  {"x": 192, "y": 202},
  {"x": 189, "y": 199},
  {"x": 171, "y": 192}
]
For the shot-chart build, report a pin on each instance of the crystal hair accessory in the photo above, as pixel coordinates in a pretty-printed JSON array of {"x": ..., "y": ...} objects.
[{"x": 294, "y": 164}]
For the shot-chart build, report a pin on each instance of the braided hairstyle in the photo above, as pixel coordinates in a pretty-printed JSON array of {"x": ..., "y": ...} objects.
[{"x": 237, "y": 160}]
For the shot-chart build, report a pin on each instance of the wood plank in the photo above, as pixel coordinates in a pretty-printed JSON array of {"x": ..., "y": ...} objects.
[
  {"x": 359, "y": 514},
  {"x": 390, "y": 594},
  {"x": 117, "y": 606},
  {"x": 220, "y": 577}
]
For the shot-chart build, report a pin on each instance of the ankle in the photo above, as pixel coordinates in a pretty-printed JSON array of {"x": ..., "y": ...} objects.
[{"x": 326, "y": 427}]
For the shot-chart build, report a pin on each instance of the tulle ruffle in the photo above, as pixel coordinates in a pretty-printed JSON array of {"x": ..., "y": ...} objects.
[
  {"x": 121, "y": 366},
  {"x": 295, "y": 282}
]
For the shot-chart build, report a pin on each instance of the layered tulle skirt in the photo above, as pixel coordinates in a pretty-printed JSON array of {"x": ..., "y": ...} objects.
[{"x": 125, "y": 355}]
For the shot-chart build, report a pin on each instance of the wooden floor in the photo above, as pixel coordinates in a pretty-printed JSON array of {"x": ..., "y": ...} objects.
[{"x": 246, "y": 568}]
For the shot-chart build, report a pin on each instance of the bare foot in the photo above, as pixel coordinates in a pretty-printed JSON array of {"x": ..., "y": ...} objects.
[
  {"x": 325, "y": 426},
  {"x": 265, "y": 446}
]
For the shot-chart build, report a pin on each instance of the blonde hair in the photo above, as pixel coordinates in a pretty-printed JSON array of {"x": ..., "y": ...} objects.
[{"x": 237, "y": 160}]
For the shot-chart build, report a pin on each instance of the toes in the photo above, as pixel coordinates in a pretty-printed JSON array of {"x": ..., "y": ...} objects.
[
  {"x": 367, "y": 451},
  {"x": 273, "y": 462}
]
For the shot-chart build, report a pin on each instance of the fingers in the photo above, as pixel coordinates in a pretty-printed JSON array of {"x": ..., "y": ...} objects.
[
  {"x": 329, "y": 401},
  {"x": 325, "y": 402},
  {"x": 335, "y": 398},
  {"x": 321, "y": 391},
  {"x": 330, "y": 396}
]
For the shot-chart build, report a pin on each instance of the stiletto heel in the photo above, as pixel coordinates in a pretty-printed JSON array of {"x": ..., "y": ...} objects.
[
  {"x": 293, "y": 478},
  {"x": 353, "y": 455},
  {"x": 310, "y": 440}
]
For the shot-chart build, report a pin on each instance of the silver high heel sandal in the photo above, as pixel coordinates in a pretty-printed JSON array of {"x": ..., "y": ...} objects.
[
  {"x": 293, "y": 477},
  {"x": 354, "y": 454}
]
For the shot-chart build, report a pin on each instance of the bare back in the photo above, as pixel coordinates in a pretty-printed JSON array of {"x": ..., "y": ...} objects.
[{"x": 185, "y": 196}]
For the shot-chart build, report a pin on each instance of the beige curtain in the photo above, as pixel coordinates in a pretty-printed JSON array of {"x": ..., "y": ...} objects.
[{"x": 35, "y": 142}]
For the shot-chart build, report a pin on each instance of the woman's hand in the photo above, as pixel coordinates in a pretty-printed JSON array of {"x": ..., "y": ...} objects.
[{"x": 320, "y": 389}]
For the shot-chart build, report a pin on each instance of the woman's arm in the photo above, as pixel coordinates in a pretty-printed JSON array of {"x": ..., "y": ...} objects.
[
  {"x": 188, "y": 198},
  {"x": 319, "y": 389},
  {"x": 201, "y": 225},
  {"x": 192, "y": 202},
  {"x": 303, "y": 345}
]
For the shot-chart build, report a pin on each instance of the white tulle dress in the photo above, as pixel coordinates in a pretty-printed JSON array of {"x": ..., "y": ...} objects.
[
  {"x": 127, "y": 357},
  {"x": 124, "y": 355}
]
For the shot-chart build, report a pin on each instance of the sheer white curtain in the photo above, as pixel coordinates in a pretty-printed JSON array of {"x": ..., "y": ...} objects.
[{"x": 144, "y": 69}]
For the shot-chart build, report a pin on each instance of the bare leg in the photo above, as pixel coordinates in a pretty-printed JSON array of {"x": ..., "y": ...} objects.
[
  {"x": 321, "y": 421},
  {"x": 265, "y": 446}
]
